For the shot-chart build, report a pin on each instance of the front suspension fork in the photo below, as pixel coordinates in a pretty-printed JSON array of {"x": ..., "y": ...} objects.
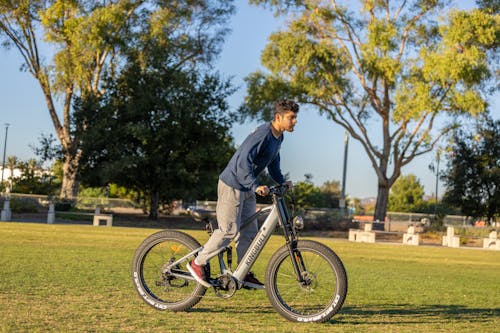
[{"x": 298, "y": 264}]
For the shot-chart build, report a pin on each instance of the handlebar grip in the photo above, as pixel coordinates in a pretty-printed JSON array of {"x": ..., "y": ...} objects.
[{"x": 279, "y": 189}]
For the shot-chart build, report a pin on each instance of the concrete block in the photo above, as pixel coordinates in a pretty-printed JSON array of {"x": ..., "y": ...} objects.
[
  {"x": 51, "y": 216},
  {"x": 6, "y": 214},
  {"x": 361, "y": 236},
  {"x": 353, "y": 234},
  {"x": 450, "y": 239},
  {"x": 411, "y": 239},
  {"x": 107, "y": 218},
  {"x": 492, "y": 242}
]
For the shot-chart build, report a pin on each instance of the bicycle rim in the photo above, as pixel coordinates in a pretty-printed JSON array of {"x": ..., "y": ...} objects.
[{"x": 320, "y": 298}]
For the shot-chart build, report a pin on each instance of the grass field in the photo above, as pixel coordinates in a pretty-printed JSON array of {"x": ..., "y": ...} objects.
[{"x": 67, "y": 278}]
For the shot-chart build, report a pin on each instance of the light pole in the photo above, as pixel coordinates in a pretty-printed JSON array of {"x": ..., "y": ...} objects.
[
  {"x": 342, "y": 204},
  {"x": 438, "y": 158},
  {"x": 4, "y": 149}
]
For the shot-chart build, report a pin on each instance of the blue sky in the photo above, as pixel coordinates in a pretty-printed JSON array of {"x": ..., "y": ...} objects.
[{"x": 315, "y": 147}]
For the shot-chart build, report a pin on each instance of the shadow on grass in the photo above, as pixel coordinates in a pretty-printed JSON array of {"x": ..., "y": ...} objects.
[
  {"x": 411, "y": 314},
  {"x": 237, "y": 309}
]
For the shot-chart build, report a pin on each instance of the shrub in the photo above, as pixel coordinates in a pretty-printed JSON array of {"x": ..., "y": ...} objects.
[
  {"x": 64, "y": 205},
  {"x": 24, "y": 205}
]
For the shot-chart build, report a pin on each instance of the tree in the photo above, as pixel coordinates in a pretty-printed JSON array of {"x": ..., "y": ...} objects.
[
  {"x": 81, "y": 33},
  {"x": 383, "y": 73},
  {"x": 33, "y": 179},
  {"x": 88, "y": 37},
  {"x": 406, "y": 195},
  {"x": 158, "y": 130},
  {"x": 492, "y": 6},
  {"x": 473, "y": 176},
  {"x": 307, "y": 195},
  {"x": 12, "y": 164},
  {"x": 331, "y": 193}
]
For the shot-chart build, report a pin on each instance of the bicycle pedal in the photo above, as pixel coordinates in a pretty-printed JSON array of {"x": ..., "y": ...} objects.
[{"x": 252, "y": 286}]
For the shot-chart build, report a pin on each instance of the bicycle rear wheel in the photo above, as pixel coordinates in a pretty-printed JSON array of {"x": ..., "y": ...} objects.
[
  {"x": 320, "y": 297},
  {"x": 161, "y": 290}
]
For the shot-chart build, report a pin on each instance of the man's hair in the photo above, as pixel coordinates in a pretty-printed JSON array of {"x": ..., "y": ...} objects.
[{"x": 283, "y": 105}]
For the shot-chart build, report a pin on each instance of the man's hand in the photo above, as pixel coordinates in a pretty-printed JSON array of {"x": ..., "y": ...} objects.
[
  {"x": 289, "y": 184},
  {"x": 262, "y": 190}
]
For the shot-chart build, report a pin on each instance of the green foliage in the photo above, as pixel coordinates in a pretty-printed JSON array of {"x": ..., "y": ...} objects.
[
  {"x": 93, "y": 192},
  {"x": 465, "y": 42},
  {"x": 33, "y": 186},
  {"x": 121, "y": 192},
  {"x": 331, "y": 193},
  {"x": 33, "y": 179},
  {"x": 64, "y": 205},
  {"x": 24, "y": 205},
  {"x": 406, "y": 194},
  {"x": 307, "y": 195},
  {"x": 159, "y": 130},
  {"x": 429, "y": 207},
  {"x": 490, "y": 6},
  {"x": 473, "y": 176},
  {"x": 388, "y": 64}
]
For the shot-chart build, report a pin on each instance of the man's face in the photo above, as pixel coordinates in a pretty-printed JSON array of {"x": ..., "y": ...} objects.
[{"x": 286, "y": 121}]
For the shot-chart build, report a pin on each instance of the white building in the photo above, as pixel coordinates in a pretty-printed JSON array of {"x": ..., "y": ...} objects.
[{"x": 7, "y": 173}]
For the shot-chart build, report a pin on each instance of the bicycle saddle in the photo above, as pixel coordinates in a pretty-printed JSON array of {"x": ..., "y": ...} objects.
[{"x": 202, "y": 214}]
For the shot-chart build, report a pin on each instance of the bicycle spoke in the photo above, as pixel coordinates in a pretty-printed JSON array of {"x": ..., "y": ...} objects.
[{"x": 317, "y": 296}]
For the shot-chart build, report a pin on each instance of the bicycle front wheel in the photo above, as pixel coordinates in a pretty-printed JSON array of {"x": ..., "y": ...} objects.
[
  {"x": 158, "y": 288},
  {"x": 319, "y": 296}
]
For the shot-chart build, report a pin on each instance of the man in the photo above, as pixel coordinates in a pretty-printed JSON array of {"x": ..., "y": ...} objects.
[{"x": 237, "y": 187}]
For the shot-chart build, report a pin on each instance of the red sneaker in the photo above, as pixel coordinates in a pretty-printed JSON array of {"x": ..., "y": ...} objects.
[{"x": 198, "y": 272}]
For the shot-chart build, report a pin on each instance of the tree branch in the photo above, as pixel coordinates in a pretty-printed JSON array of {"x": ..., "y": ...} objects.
[{"x": 399, "y": 10}]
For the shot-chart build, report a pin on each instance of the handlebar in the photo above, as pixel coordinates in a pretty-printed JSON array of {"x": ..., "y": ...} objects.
[{"x": 278, "y": 190}]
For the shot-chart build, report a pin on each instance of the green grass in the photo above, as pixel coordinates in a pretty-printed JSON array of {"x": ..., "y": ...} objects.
[{"x": 62, "y": 278}]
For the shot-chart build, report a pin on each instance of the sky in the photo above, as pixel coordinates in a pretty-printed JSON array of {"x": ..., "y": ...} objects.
[{"x": 316, "y": 146}]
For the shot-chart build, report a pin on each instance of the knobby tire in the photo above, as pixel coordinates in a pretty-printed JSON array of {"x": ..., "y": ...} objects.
[{"x": 164, "y": 292}]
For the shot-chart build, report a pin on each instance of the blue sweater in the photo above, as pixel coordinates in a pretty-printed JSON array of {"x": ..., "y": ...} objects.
[{"x": 259, "y": 150}]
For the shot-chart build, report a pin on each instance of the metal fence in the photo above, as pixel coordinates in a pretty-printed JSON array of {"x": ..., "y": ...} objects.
[
  {"x": 80, "y": 202},
  {"x": 313, "y": 213}
]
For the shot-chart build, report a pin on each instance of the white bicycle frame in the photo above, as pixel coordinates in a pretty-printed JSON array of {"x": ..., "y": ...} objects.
[
  {"x": 278, "y": 213},
  {"x": 258, "y": 243}
]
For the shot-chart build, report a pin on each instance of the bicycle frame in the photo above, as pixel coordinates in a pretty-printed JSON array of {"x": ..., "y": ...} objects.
[
  {"x": 257, "y": 245},
  {"x": 278, "y": 213}
]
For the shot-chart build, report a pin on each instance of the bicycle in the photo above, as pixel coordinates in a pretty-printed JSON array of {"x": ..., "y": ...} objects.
[{"x": 305, "y": 281}]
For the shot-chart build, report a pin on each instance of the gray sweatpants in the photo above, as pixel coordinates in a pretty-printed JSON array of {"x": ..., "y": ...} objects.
[{"x": 233, "y": 208}]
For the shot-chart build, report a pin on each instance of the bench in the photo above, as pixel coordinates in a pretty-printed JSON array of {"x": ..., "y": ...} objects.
[
  {"x": 452, "y": 240},
  {"x": 368, "y": 235},
  {"x": 362, "y": 236},
  {"x": 97, "y": 216}
]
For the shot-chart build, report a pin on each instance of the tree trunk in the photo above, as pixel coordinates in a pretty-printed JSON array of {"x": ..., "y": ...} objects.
[
  {"x": 155, "y": 199},
  {"x": 69, "y": 187},
  {"x": 382, "y": 202}
]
